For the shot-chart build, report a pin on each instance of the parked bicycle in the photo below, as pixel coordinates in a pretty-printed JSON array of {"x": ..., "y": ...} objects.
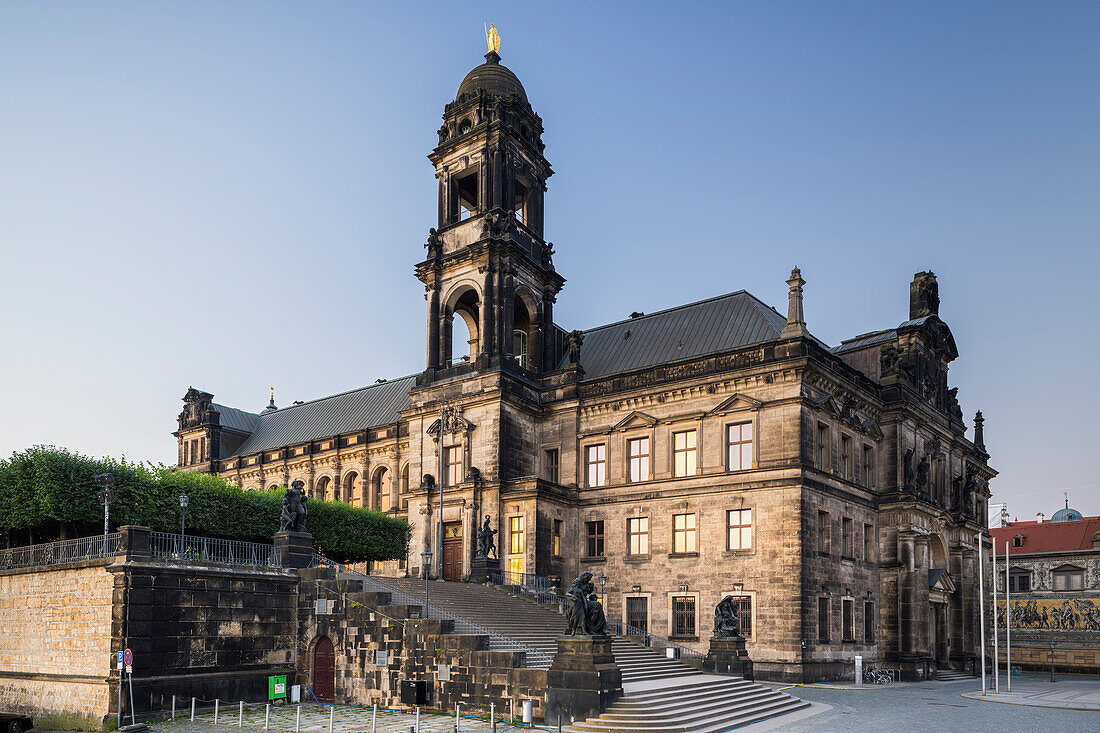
[{"x": 874, "y": 676}]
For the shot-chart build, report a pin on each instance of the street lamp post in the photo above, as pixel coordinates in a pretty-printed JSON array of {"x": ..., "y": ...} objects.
[
  {"x": 408, "y": 538},
  {"x": 106, "y": 495},
  {"x": 184, "y": 501},
  {"x": 1052, "y": 660},
  {"x": 426, "y": 570}
]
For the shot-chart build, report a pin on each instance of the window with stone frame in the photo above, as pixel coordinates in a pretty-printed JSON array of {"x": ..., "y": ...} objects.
[
  {"x": 684, "y": 453},
  {"x": 683, "y": 533},
  {"x": 846, "y": 457},
  {"x": 452, "y": 465},
  {"x": 550, "y": 464},
  {"x": 638, "y": 459},
  {"x": 637, "y": 613},
  {"x": 868, "y": 467},
  {"x": 868, "y": 621},
  {"x": 1069, "y": 577},
  {"x": 637, "y": 530},
  {"x": 739, "y": 447},
  {"x": 821, "y": 448},
  {"x": 739, "y": 529},
  {"x": 202, "y": 449},
  {"x": 593, "y": 538},
  {"x": 822, "y": 619},
  {"x": 556, "y": 538},
  {"x": 595, "y": 465},
  {"x": 868, "y": 543},
  {"x": 515, "y": 535},
  {"x": 847, "y": 614},
  {"x": 823, "y": 532},
  {"x": 744, "y": 614},
  {"x": 195, "y": 450},
  {"x": 846, "y": 537},
  {"x": 1019, "y": 581},
  {"x": 683, "y": 616}
]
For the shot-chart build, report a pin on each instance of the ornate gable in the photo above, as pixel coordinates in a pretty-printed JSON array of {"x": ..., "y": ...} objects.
[
  {"x": 635, "y": 420},
  {"x": 735, "y": 403}
]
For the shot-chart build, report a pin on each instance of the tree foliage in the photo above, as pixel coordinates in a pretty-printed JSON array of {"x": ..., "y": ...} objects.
[{"x": 48, "y": 493}]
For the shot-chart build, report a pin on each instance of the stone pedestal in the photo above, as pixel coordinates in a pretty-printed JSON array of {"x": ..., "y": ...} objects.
[
  {"x": 583, "y": 679},
  {"x": 295, "y": 549},
  {"x": 482, "y": 567},
  {"x": 728, "y": 656}
]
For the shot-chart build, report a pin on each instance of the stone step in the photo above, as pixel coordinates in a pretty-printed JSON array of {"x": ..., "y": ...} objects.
[
  {"x": 717, "y": 723},
  {"x": 662, "y": 710},
  {"x": 687, "y": 691}
]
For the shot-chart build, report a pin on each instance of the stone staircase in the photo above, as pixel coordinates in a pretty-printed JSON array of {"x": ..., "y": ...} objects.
[
  {"x": 660, "y": 695},
  {"x": 950, "y": 675}
]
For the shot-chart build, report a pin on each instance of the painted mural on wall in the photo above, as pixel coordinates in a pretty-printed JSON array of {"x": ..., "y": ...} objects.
[{"x": 1060, "y": 614}]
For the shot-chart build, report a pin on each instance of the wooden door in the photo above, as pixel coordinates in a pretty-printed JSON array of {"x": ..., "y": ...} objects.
[
  {"x": 324, "y": 670},
  {"x": 452, "y": 551}
]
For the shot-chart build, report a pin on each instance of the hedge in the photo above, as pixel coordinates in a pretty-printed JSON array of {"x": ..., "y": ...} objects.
[{"x": 49, "y": 493}]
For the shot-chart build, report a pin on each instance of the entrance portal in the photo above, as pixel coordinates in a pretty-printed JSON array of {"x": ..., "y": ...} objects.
[
  {"x": 324, "y": 670},
  {"x": 452, "y": 551}
]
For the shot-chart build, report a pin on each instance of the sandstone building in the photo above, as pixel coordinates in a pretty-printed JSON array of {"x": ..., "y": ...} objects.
[{"x": 717, "y": 447}]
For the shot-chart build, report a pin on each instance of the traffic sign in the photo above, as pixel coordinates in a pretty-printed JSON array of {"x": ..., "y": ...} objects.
[
  {"x": 120, "y": 662},
  {"x": 129, "y": 669},
  {"x": 127, "y": 658}
]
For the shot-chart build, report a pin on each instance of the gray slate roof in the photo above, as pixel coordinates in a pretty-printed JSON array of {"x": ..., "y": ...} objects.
[
  {"x": 348, "y": 412},
  {"x": 867, "y": 339},
  {"x": 717, "y": 324},
  {"x": 235, "y": 419}
]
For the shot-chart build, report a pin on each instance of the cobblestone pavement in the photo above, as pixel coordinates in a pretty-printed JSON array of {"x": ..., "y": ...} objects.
[
  {"x": 939, "y": 707},
  {"x": 315, "y": 719}
]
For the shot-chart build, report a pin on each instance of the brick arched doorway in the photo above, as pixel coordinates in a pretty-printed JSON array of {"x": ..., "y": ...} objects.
[{"x": 324, "y": 670}]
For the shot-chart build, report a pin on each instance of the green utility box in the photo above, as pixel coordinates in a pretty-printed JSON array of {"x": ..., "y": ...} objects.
[{"x": 276, "y": 687}]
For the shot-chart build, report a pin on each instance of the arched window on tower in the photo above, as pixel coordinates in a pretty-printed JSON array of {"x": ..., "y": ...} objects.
[
  {"x": 462, "y": 340},
  {"x": 352, "y": 494},
  {"x": 466, "y": 187},
  {"x": 521, "y": 333}
]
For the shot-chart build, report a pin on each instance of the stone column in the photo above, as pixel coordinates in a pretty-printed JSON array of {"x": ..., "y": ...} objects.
[
  {"x": 445, "y": 345},
  {"x": 433, "y": 329},
  {"x": 486, "y": 340}
]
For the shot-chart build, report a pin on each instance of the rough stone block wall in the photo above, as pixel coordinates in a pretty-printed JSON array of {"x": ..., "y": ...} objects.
[{"x": 55, "y": 643}]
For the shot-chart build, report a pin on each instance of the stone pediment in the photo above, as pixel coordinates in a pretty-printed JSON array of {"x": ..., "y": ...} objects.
[
  {"x": 939, "y": 579},
  {"x": 449, "y": 423},
  {"x": 635, "y": 420},
  {"x": 735, "y": 403}
]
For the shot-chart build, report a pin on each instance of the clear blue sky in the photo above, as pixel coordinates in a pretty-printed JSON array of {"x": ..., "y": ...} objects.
[{"x": 232, "y": 195}]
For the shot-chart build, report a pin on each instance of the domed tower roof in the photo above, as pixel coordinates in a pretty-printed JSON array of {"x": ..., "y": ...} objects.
[
  {"x": 1067, "y": 515},
  {"x": 492, "y": 77}
]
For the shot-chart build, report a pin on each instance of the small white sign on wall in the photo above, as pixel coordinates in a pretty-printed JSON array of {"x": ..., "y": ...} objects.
[
  {"x": 443, "y": 672},
  {"x": 381, "y": 658}
]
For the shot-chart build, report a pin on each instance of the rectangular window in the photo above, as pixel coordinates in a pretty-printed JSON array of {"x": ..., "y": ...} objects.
[
  {"x": 823, "y": 619},
  {"x": 186, "y": 453},
  {"x": 638, "y": 450},
  {"x": 847, "y": 610},
  {"x": 551, "y": 465},
  {"x": 846, "y": 538},
  {"x": 593, "y": 533},
  {"x": 683, "y": 533},
  {"x": 515, "y": 567},
  {"x": 557, "y": 538},
  {"x": 1019, "y": 582},
  {"x": 515, "y": 535},
  {"x": 683, "y": 615},
  {"x": 1069, "y": 580},
  {"x": 684, "y": 453},
  {"x": 637, "y": 529},
  {"x": 868, "y": 467},
  {"x": 744, "y": 613},
  {"x": 869, "y": 543},
  {"x": 595, "y": 464},
  {"x": 822, "y": 453},
  {"x": 739, "y": 529},
  {"x": 202, "y": 449},
  {"x": 452, "y": 458},
  {"x": 637, "y": 614},
  {"x": 823, "y": 531},
  {"x": 868, "y": 621},
  {"x": 845, "y": 456},
  {"x": 739, "y": 446},
  {"x": 195, "y": 451}
]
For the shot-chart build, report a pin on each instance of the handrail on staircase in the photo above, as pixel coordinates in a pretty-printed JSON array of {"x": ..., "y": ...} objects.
[{"x": 497, "y": 641}]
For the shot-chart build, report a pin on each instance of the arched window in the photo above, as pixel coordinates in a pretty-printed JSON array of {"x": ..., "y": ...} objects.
[
  {"x": 521, "y": 332},
  {"x": 321, "y": 488},
  {"x": 405, "y": 487},
  {"x": 462, "y": 337},
  {"x": 381, "y": 488},
  {"x": 351, "y": 489},
  {"x": 519, "y": 347}
]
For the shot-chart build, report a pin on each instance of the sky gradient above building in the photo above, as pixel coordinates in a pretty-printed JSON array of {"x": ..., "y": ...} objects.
[{"x": 232, "y": 195}]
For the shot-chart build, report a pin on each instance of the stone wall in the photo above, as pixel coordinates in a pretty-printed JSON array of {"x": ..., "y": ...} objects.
[{"x": 55, "y": 643}]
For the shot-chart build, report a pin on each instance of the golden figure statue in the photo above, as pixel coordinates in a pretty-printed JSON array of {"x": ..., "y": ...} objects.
[{"x": 492, "y": 38}]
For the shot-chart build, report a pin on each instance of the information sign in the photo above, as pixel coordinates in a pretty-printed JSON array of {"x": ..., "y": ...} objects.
[{"x": 120, "y": 662}]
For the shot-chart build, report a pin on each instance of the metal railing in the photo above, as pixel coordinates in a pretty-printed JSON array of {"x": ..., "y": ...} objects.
[
  {"x": 524, "y": 581},
  {"x": 652, "y": 641},
  {"x": 188, "y": 549},
  {"x": 497, "y": 641},
  {"x": 55, "y": 553}
]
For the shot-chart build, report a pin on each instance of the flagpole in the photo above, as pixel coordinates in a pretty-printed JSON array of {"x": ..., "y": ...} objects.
[
  {"x": 981, "y": 604},
  {"x": 996, "y": 644},
  {"x": 1008, "y": 621}
]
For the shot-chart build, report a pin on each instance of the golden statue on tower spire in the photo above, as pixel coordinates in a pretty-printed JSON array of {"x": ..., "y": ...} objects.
[{"x": 492, "y": 38}]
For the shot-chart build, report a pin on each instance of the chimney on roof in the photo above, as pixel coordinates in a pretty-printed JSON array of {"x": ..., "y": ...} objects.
[
  {"x": 1041, "y": 517},
  {"x": 796, "y": 321}
]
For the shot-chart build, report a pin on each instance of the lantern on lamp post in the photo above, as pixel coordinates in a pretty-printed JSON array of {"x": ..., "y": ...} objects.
[{"x": 105, "y": 495}]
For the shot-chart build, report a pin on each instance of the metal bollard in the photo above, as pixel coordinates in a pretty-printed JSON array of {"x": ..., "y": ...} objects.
[
  {"x": 418, "y": 719},
  {"x": 511, "y": 712},
  {"x": 173, "y": 707},
  {"x": 493, "y": 716},
  {"x": 559, "y": 722},
  {"x": 298, "y": 719},
  {"x": 215, "y": 711},
  {"x": 192, "y": 708},
  {"x": 240, "y": 716},
  {"x": 374, "y": 718},
  {"x": 331, "y": 712},
  {"x": 267, "y": 715},
  {"x": 458, "y": 720}
]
